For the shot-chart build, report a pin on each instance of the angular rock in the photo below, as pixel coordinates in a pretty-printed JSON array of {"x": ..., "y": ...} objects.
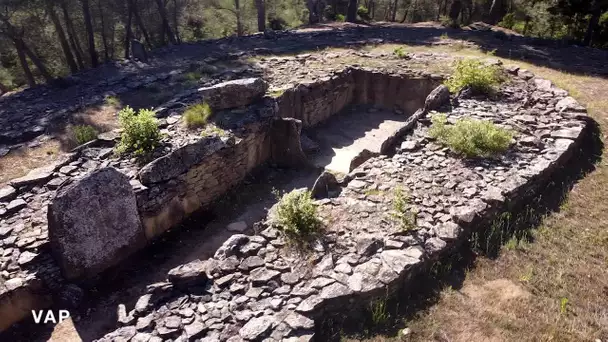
[
  {"x": 569, "y": 104},
  {"x": 324, "y": 184},
  {"x": 224, "y": 95},
  {"x": 448, "y": 231},
  {"x": 257, "y": 327},
  {"x": 437, "y": 98},
  {"x": 7, "y": 193},
  {"x": 285, "y": 146},
  {"x": 298, "y": 321},
  {"x": 34, "y": 177},
  {"x": 94, "y": 223},
  {"x": 262, "y": 275},
  {"x": 190, "y": 274},
  {"x": 15, "y": 205},
  {"x": 231, "y": 246}
]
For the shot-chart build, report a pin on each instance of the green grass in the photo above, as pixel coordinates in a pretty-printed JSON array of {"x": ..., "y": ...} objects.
[
  {"x": 196, "y": 116},
  {"x": 140, "y": 134},
  {"x": 112, "y": 101},
  {"x": 297, "y": 215},
  {"x": 379, "y": 312},
  {"x": 470, "y": 137},
  {"x": 405, "y": 216},
  {"x": 213, "y": 130},
  {"x": 474, "y": 74},
  {"x": 84, "y": 133},
  {"x": 399, "y": 52}
]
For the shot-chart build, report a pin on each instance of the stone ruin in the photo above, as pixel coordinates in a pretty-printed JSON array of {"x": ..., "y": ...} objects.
[{"x": 256, "y": 287}]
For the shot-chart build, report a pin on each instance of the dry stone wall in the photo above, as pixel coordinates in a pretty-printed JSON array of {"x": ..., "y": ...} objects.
[
  {"x": 258, "y": 288},
  {"x": 192, "y": 172}
]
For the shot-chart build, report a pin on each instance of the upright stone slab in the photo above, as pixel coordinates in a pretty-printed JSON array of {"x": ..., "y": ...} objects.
[{"x": 94, "y": 223}]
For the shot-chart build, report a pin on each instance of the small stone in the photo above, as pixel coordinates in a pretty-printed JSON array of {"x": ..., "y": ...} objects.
[
  {"x": 172, "y": 322},
  {"x": 409, "y": 145},
  {"x": 14, "y": 283},
  {"x": 255, "y": 328},
  {"x": 434, "y": 245},
  {"x": 262, "y": 275},
  {"x": 15, "y": 205},
  {"x": 26, "y": 257},
  {"x": 7, "y": 193},
  {"x": 194, "y": 329},
  {"x": 298, "y": 321},
  {"x": 142, "y": 303}
]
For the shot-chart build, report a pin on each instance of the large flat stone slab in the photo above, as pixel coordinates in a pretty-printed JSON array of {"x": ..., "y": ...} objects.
[
  {"x": 344, "y": 137},
  {"x": 94, "y": 223}
]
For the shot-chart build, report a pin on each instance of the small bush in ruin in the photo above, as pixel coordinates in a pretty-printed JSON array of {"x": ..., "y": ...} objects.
[
  {"x": 112, "y": 101},
  {"x": 474, "y": 74},
  {"x": 196, "y": 116},
  {"x": 297, "y": 214},
  {"x": 340, "y": 17},
  {"x": 140, "y": 132},
  {"x": 405, "y": 216},
  {"x": 84, "y": 133},
  {"x": 379, "y": 312},
  {"x": 470, "y": 137},
  {"x": 400, "y": 52}
]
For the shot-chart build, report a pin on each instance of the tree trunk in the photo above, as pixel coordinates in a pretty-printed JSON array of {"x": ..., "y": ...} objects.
[
  {"x": 37, "y": 62},
  {"x": 140, "y": 24},
  {"x": 176, "y": 22},
  {"x": 455, "y": 11},
  {"x": 74, "y": 43},
  {"x": 69, "y": 58},
  {"x": 104, "y": 37},
  {"x": 351, "y": 13},
  {"x": 165, "y": 21},
  {"x": 496, "y": 12},
  {"x": 261, "y": 7},
  {"x": 86, "y": 12},
  {"x": 394, "y": 12},
  {"x": 593, "y": 24},
  {"x": 128, "y": 30},
  {"x": 31, "y": 81},
  {"x": 313, "y": 18},
  {"x": 239, "y": 23}
]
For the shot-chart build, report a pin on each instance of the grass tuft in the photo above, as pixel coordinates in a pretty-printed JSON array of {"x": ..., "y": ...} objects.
[
  {"x": 84, "y": 133},
  {"x": 196, "y": 116},
  {"x": 297, "y": 214},
  {"x": 405, "y": 216},
  {"x": 474, "y": 74},
  {"x": 140, "y": 134},
  {"x": 400, "y": 52},
  {"x": 470, "y": 137}
]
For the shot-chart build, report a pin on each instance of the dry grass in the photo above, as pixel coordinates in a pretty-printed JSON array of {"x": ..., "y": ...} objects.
[
  {"x": 553, "y": 289},
  {"x": 20, "y": 161}
]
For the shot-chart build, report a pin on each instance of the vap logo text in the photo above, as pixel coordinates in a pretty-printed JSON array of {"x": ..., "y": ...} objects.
[{"x": 50, "y": 317}]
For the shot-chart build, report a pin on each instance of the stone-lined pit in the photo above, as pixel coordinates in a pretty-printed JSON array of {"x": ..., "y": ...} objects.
[
  {"x": 191, "y": 175},
  {"x": 257, "y": 288}
]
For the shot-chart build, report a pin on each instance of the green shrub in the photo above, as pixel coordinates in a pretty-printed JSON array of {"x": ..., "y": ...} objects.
[
  {"x": 406, "y": 217},
  {"x": 508, "y": 21},
  {"x": 196, "y": 116},
  {"x": 470, "y": 137},
  {"x": 297, "y": 214},
  {"x": 340, "y": 17},
  {"x": 84, "y": 133},
  {"x": 140, "y": 132},
  {"x": 400, "y": 52},
  {"x": 475, "y": 74},
  {"x": 363, "y": 13}
]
